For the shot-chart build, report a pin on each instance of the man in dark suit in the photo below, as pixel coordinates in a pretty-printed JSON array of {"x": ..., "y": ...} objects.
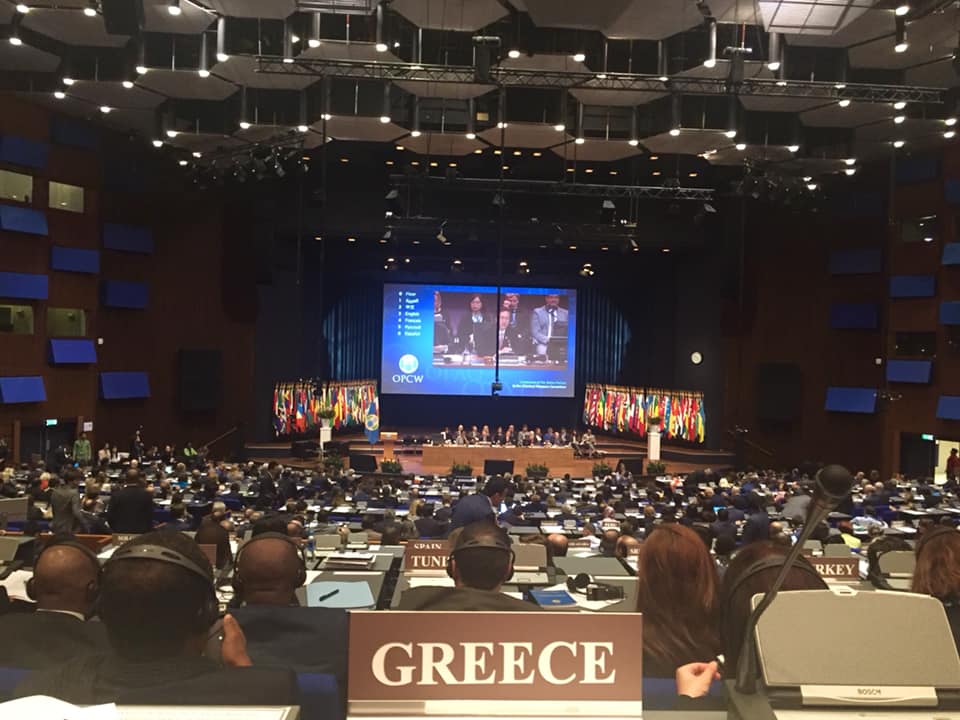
[
  {"x": 479, "y": 506},
  {"x": 723, "y": 526},
  {"x": 211, "y": 532},
  {"x": 158, "y": 605},
  {"x": 480, "y": 562},
  {"x": 64, "y": 588},
  {"x": 427, "y": 524},
  {"x": 510, "y": 339},
  {"x": 131, "y": 507},
  {"x": 757, "y": 526},
  {"x": 65, "y": 504}
]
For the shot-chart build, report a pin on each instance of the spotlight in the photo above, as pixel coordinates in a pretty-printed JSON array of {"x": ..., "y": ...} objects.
[
  {"x": 105, "y": 109},
  {"x": 158, "y": 143},
  {"x": 580, "y": 141},
  {"x": 244, "y": 125},
  {"x": 793, "y": 148},
  {"x": 59, "y": 94},
  {"x": 674, "y": 132},
  {"x": 773, "y": 65},
  {"x": 899, "y": 119},
  {"x": 127, "y": 84},
  {"x": 197, "y": 155},
  {"x": 633, "y": 142},
  {"x": 901, "y": 35},
  {"x": 222, "y": 57},
  {"x": 141, "y": 69},
  {"x": 203, "y": 73},
  {"x": 899, "y": 105},
  {"x": 709, "y": 63},
  {"x": 456, "y": 265},
  {"x": 731, "y": 134},
  {"x": 172, "y": 134},
  {"x": 91, "y": 9},
  {"x": 14, "y": 40},
  {"x": 579, "y": 57},
  {"x": 471, "y": 136},
  {"x": 415, "y": 133},
  {"x": 849, "y": 162},
  {"x": 381, "y": 47},
  {"x": 68, "y": 81},
  {"x": 23, "y": 9},
  {"x": 303, "y": 128},
  {"x": 898, "y": 143},
  {"x": 502, "y": 126},
  {"x": 844, "y": 103},
  {"x": 851, "y": 171},
  {"x": 314, "y": 42},
  {"x": 807, "y": 178},
  {"x": 811, "y": 186},
  {"x": 902, "y": 9},
  {"x": 173, "y": 7},
  {"x": 839, "y": 86},
  {"x": 900, "y": 47},
  {"x": 950, "y": 121},
  {"x": 513, "y": 54},
  {"x": 384, "y": 119},
  {"x": 949, "y": 134},
  {"x": 741, "y": 146},
  {"x": 663, "y": 79},
  {"x": 559, "y": 127},
  {"x": 183, "y": 163}
]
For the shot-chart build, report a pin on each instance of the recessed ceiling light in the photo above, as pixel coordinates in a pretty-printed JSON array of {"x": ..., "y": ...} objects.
[
  {"x": 573, "y": 247},
  {"x": 588, "y": 170},
  {"x": 59, "y": 94},
  {"x": 478, "y": 151},
  {"x": 579, "y": 57},
  {"x": 415, "y": 163},
  {"x": 692, "y": 174},
  {"x": 900, "y": 47},
  {"x": 807, "y": 178},
  {"x": 496, "y": 152},
  {"x": 183, "y": 163},
  {"x": 303, "y": 128},
  {"x": 158, "y": 143},
  {"x": 654, "y": 157},
  {"x": 351, "y": 239},
  {"x": 471, "y": 136},
  {"x": 580, "y": 141},
  {"x": 172, "y": 133},
  {"x": 674, "y": 131},
  {"x": 141, "y": 69},
  {"x": 105, "y": 109},
  {"x": 844, "y": 103},
  {"x": 613, "y": 172},
  {"x": 68, "y": 81},
  {"x": 559, "y": 127},
  {"x": 389, "y": 162},
  {"x": 898, "y": 143},
  {"x": 127, "y": 84},
  {"x": 203, "y": 73},
  {"x": 381, "y": 47},
  {"x": 811, "y": 186},
  {"x": 384, "y": 119},
  {"x": 633, "y": 142},
  {"x": 344, "y": 160},
  {"x": 899, "y": 105},
  {"x": 513, "y": 54},
  {"x": 434, "y": 163},
  {"x": 504, "y": 167},
  {"x": 741, "y": 146},
  {"x": 453, "y": 164},
  {"x": 666, "y": 250},
  {"x": 656, "y": 173},
  {"x": 197, "y": 155},
  {"x": 949, "y": 134},
  {"x": 851, "y": 171},
  {"x": 849, "y": 162},
  {"x": 570, "y": 169},
  {"x": 793, "y": 148},
  {"x": 537, "y": 153}
]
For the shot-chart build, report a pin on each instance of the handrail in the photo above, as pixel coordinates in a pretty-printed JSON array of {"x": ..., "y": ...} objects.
[
  {"x": 220, "y": 437},
  {"x": 751, "y": 444}
]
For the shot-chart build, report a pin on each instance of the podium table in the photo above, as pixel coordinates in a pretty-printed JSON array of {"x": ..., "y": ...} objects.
[{"x": 388, "y": 439}]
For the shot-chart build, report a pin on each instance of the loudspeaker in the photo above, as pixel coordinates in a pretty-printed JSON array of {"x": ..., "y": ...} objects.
[
  {"x": 304, "y": 449},
  {"x": 122, "y": 17},
  {"x": 633, "y": 465},
  {"x": 199, "y": 380},
  {"x": 779, "y": 389},
  {"x": 362, "y": 463},
  {"x": 498, "y": 467}
]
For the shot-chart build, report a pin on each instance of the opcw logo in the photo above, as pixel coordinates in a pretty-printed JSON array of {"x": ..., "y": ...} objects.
[
  {"x": 373, "y": 422},
  {"x": 408, "y": 364}
]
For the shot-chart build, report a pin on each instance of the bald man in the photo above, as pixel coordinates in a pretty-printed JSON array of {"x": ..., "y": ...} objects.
[
  {"x": 626, "y": 543},
  {"x": 64, "y": 587},
  {"x": 269, "y": 570},
  {"x": 558, "y": 544}
]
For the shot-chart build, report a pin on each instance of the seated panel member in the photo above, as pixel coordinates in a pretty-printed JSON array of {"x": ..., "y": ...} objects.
[
  {"x": 66, "y": 576},
  {"x": 510, "y": 339},
  {"x": 480, "y": 562},
  {"x": 158, "y": 605}
]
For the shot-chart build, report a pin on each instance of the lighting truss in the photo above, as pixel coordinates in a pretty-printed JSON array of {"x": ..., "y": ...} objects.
[
  {"x": 548, "y": 187},
  {"x": 511, "y": 77}
]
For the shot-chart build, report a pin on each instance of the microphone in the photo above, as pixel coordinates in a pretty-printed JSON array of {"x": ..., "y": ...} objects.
[{"x": 833, "y": 484}]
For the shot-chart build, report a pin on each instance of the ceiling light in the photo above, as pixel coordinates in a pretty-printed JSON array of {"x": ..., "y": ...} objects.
[
  {"x": 633, "y": 142},
  {"x": 313, "y": 42},
  {"x": 949, "y": 134},
  {"x": 928, "y": 239},
  {"x": 91, "y": 9},
  {"x": 105, "y": 109},
  {"x": 674, "y": 131},
  {"x": 573, "y": 247},
  {"x": 415, "y": 133},
  {"x": 899, "y": 119},
  {"x": 344, "y": 160},
  {"x": 601, "y": 76},
  {"x": 656, "y": 173},
  {"x": 900, "y": 47},
  {"x": 501, "y": 125},
  {"x": 415, "y": 163},
  {"x": 434, "y": 163},
  {"x": 478, "y": 151},
  {"x": 579, "y": 57},
  {"x": 197, "y": 154},
  {"x": 505, "y": 167},
  {"x": 183, "y": 163},
  {"x": 741, "y": 146},
  {"x": 514, "y": 54},
  {"x": 173, "y": 7},
  {"x": 453, "y": 164},
  {"x": 663, "y": 78},
  {"x": 127, "y": 84},
  {"x": 654, "y": 157},
  {"x": 666, "y": 250},
  {"x": 570, "y": 169},
  {"x": 614, "y": 172},
  {"x": 731, "y": 134},
  {"x": 158, "y": 143},
  {"x": 898, "y": 143},
  {"x": 351, "y": 239},
  {"x": 851, "y": 171},
  {"x": 471, "y": 136},
  {"x": 59, "y": 94},
  {"x": 517, "y": 153},
  {"x": 844, "y": 103},
  {"x": 381, "y": 47},
  {"x": 950, "y": 121},
  {"x": 811, "y": 186},
  {"x": 692, "y": 174},
  {"x": 850, "y": 161},
  {"x": 807, "y": 178},
  {"x": 244, "y": 125},
  {"x": 23, "y": 9},
  {"x": 389, "y": 162},
  {"x": 559, "y": 127},
  {"x": 303, "y": 128},
  {"x": 773, "y": 65},
  {"x": 172, "y": 133},
  {"x": 384, "y": 119},
  {"x": 793, "y": 148},
  {"x": 203, "y": 73},
  {"x": 68, "y": 81},
  {"x": 588, "y": 171},
  {"x": 899, "y": 105},
  {"x": 222, "y": 57},
  {"x": 496, "y": 152},
  {"x": 141, "y": 69},
  {"x": 710, "y": 63},
  {"x": 781, "y": 83},
  {"x": 14, "y": 40},
  {"x": 902, "y": 9},
  {"x": 580, "y": 141}
]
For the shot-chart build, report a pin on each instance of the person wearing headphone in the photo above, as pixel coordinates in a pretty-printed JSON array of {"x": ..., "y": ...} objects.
[
  {"x": 64, "y": 586},
  {"x": 269, "y": 569},
  {"x": 480, "y": 562},
  {"x": 157, "y": 602}
]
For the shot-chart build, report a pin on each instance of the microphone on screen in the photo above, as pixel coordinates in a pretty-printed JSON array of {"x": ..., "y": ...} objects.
[{"x": 833, "y": 484}]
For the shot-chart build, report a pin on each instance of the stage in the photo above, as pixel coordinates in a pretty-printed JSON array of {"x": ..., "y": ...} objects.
[{"x": 426, "y": 459}]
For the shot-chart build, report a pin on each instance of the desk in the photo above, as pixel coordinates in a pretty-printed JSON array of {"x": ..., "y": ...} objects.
[
  {"x": 596, "y": 566},
  {"x": 440, "y": 458},
  {"x": 372, "y": 578}
]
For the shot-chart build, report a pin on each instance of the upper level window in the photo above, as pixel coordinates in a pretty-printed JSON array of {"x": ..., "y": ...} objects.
[
  {"x": 66, "y": 197},
  {"x": 66, "y": 322},
  {"x": 16, "y": 319},
  {"x": 924, "y": 229},
  {"x": 15, "y": 186}
]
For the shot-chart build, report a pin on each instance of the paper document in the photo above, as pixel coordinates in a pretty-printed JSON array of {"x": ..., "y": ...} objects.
[
  {"x": 16, "y": 584},
  {"x": 430, "y": 581},
  {"x": 41, "y": 707},
  {"x": 336, "y": 594}
]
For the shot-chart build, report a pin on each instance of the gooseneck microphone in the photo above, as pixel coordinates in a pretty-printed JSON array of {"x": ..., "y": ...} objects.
[{"x": 833, "y": 484}]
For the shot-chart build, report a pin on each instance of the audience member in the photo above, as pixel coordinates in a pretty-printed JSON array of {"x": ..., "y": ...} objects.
[
  {"x": 131, "y": 506},
  {"x": 938, "y": 573}
]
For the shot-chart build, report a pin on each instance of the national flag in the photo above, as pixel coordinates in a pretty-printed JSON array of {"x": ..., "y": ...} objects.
[{"x": 372, "y": 423}]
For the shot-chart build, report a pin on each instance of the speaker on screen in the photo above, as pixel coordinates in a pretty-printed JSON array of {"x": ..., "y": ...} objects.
[
  {"x": 779, "y": 388},
  {"x": 199, "y": 380}
]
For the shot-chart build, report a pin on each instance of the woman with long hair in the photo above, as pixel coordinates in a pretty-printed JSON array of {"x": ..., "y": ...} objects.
[
  {"x": 678, "y": 598},
  {"x": 938, "y": 572}
]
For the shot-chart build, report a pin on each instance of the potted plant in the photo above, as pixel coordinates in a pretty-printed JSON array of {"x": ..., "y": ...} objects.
[
  {"x": 461, "y": 470},
  {"x": 656, "y": 467},
  {"x": 325, "y": 413},
  {"x": 601, "y": 469},
  {"x": 654, "y": 422},
  {"x": 391, "y": 466},
  {"x": 537, "y": 471}
]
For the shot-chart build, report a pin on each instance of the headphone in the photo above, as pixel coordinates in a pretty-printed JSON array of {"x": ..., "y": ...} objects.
[
  {"x": 586, "y": 585},
  {"x": 211, "y": 610},
  {"x": 92, "y": 589},
  {"x": 301, "y": 569},
  {"x": 497, "y": 542}
]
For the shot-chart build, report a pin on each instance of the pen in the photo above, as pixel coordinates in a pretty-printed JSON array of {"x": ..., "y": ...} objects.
[{"x": 328, "y": 595}]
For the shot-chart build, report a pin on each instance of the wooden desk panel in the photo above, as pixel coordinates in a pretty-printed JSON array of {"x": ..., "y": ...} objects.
[{"x": 440, "y": 458}]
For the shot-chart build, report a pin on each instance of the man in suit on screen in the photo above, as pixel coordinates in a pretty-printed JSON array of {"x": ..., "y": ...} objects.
[{"x": 544, "y": 321}]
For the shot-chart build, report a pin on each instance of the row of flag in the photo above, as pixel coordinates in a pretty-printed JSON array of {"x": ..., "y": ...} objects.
[
  {"x": 297, "y": 405},
  {"x": 624, "y": 409}
]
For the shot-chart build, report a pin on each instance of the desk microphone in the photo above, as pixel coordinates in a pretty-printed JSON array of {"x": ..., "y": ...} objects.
[{"x": 833, "y": 484}]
